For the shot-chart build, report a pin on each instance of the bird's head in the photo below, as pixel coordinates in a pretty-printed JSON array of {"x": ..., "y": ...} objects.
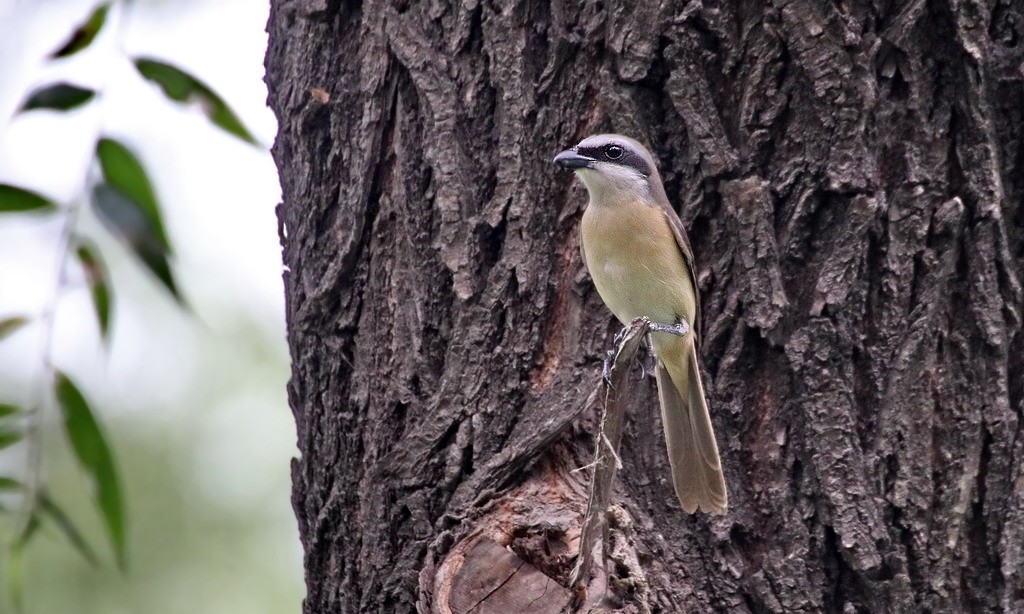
[{"x": 613, "y": 167}]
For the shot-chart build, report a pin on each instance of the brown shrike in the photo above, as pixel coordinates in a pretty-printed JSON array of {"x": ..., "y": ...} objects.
[{"x": 636, "y": 250}]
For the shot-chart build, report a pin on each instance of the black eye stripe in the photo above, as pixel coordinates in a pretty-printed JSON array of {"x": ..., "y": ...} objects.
[
  {"x": 632, "y": 159},
  {"x": 628, "y": 157}
]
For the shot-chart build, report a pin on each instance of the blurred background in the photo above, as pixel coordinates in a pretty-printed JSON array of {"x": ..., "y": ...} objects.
[{"x": 193, "y": 401}]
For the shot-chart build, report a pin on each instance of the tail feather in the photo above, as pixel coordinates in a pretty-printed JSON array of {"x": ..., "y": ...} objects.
[{"x": 689, "y": 434}]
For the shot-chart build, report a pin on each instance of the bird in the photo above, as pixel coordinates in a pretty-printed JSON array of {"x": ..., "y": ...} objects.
[{"x": 636, "y": 250}]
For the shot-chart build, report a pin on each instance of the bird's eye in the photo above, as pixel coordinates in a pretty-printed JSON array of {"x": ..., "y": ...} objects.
[{"x": 613, "y": 152}]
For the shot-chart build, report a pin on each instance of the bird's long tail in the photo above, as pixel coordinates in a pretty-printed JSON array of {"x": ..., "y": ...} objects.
[{"x": 689, "y": 435}]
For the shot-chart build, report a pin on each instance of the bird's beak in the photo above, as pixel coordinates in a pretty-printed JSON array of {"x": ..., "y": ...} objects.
[{"x": 570, "y": 159}]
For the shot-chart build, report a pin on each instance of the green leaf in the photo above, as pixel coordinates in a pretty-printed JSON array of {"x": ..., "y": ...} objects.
[
  {"x": 84, "y": 34},
  {"x": 49, "y": 507},
  {"x": 128, "y": 206},
  {"x": 6, "y": 409},
  {"x": 99, "y": 285},
  {"x": 8, "y": 438},
  {"x": 123, "y": 172},
  {"x": 9, "y": 484},
  {"x": 176, "y": 84},
  {"x": 59, "y": 97},
  {"x": 95, "y": 457},
  {"x": 126, "y": 220},
  {"x": 222, "y": 116},
  {"x": 15, "y": 199},
  {"x": 182, "y": 87},
  {"x": 11, "y": 325},
  {"x": 15, "y": 567}
]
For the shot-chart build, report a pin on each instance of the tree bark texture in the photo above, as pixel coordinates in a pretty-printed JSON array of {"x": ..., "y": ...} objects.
[{"x": 851, "y": 174}]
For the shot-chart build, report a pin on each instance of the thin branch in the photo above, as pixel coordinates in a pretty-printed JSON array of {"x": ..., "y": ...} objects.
[
  {"x": 33, "y": 426},
  {"x": 616, "y": 389},
  {"x": 34, "y": 419}
]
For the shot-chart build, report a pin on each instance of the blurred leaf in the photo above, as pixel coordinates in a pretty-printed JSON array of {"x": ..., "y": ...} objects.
[
  {"x": 128, "y": 205},
  {"x": 222, "y": 115},
  {"x": 60, "y": 97},
  {"x": 124, "y": 172},
  {"x": 95, "y": 457},
  {"x": 15, "y": 567},
  {"x": 18, "y": 199},
  {"x": 8, "y": 438},
  {"x": 6, "y": 409},
  {"x": 182, "y": 87},
  {"x": 9, "y": 326},
  {"x": 176, "y": 84},
  {"x": 50, "y": 508},
  {"x": 126, "y": 220},
  {"x": 83, "y": 36},
  {"x": 123, "y": 216},
  {"x": 8, "y": 484},
  {"x": 99, "y": 285}
]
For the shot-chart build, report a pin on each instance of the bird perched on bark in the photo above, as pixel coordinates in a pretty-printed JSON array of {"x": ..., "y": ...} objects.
[{"x": 636, "y": 250}]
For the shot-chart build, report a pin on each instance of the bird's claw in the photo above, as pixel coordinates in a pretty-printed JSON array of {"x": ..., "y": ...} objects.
[
  {"x": 609, "y": 359},
  {"x": 644, "y": 370},
  {"x": 681, "y": 328},
  {"x": 619, "y": 336},
  {"x": 606, "y": 368}
]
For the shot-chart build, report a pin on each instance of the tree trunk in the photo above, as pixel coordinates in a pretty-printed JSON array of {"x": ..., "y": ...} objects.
[{"x": 851, "y": 175}]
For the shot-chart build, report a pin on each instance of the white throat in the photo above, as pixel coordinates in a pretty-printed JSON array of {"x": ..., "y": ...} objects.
[{"x": 612, "y": 184}]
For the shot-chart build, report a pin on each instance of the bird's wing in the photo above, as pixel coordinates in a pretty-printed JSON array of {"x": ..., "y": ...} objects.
[{"x": 684, "y": 248}]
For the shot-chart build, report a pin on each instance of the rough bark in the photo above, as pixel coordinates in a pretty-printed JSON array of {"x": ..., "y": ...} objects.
[{"x": 851, "y": 174}]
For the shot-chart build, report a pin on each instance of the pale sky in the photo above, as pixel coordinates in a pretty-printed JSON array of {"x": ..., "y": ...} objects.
[
  {"x": 218, "y": 196},
  {"x": 218, "y": 193}
]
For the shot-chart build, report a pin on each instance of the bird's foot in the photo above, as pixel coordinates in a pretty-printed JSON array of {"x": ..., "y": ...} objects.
[
  {"x": 609, "y": 359},
  {"x": 606, "y": 368},
  {"x": 619, "y": 336},
  {"x": 645, "y": 357}
]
